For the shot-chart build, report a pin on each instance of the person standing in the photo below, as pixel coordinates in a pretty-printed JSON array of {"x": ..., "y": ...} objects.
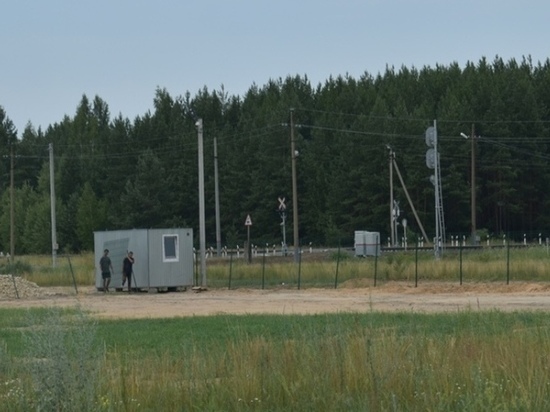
[
  {"x": 128, "y": 270},
  {"x": 106, "y": 269}
]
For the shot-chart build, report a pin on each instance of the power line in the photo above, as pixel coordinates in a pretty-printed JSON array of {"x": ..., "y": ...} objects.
[{"x": 364, "y": 116}]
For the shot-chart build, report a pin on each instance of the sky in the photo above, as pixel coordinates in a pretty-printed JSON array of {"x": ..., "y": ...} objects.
[{"x": 53, "y": 52}]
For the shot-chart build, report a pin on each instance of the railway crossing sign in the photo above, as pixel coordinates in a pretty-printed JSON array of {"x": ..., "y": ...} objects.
[{"x": 282, "y": 206}]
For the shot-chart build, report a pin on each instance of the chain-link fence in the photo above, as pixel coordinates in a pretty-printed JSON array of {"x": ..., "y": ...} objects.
[{"x": 341, "y": 267}]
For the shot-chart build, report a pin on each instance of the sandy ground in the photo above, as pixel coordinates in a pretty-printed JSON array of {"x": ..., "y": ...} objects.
[{"x": 391, "y": 297}]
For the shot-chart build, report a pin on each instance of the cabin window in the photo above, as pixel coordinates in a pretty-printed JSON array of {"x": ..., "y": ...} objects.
[{"x": 170, "y": 248}]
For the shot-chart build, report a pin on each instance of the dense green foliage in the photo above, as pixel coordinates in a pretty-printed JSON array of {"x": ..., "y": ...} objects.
[{"x": 114, "y": 173}]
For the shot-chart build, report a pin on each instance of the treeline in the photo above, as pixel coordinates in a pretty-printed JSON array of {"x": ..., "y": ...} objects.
[{"x": 117, "y": 173}]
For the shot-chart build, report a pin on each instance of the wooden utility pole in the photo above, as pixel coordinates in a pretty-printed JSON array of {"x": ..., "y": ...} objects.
[
  {"x": 392, "y": 219},
  {"x": 473, "y": 184},
  {"x": 12, "y": 207},
  {"x": 217, "y": 201},
  {"x": 52, "y": 202},
  {"x": 293, "y": 155},
  {"x": 202, "y": 224}
]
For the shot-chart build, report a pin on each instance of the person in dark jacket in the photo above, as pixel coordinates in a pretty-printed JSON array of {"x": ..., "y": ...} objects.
[{"x": 128, "y": 270}]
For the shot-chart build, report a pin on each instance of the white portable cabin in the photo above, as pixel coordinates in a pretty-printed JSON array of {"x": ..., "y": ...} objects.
[
  {"x": 163, "y": 257},
  {"x": 367, "y": 243}
]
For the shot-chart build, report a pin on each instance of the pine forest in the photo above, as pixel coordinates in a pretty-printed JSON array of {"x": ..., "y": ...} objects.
[{"x": 111, "y": 172}]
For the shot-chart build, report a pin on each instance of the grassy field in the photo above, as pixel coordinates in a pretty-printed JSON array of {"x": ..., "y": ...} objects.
[
  {"x": 330, "y": 269},
  {"x": 64, "y": 360}
]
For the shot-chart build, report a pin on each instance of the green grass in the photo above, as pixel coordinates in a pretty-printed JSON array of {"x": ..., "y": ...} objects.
[
  {"x": 53, "y": 359},
  {"x": 339, "y": 362}
]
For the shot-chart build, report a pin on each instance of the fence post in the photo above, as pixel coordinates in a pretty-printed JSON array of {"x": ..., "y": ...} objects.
[
  {"x": 376, "y": 259},
  {"x": 13, "y": 277},
  {"x": 230, "y": 268},
  {"x": 196, "y": 267},
  {"x": 72, "y": 273},
  {"x": 263, "y": 271},
  {"x": 508, "y": 263},
  {"x": 416, "y": 264},
  {"x": 337, "y": 267},
  {"x": 299, "y": 266},
  {"x": 460, "y": 258}
]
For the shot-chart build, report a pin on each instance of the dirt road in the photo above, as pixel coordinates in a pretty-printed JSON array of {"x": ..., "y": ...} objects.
[{"x": 391, "y": 297}]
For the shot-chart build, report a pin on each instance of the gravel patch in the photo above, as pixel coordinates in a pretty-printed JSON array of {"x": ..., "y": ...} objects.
[
  {"x": 25, "y": 289},
  {"x": 428, "y": 297}
]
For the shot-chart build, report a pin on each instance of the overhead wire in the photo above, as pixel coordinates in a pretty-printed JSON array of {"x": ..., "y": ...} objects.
[
  {"x": 86, "y": 150},
  {"x": 426, "y": 120},
  {"x": 177, "y": 142}
]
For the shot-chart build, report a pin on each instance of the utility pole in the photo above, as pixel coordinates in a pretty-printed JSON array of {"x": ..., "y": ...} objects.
[
  {"x": 392, "y": 220},
  {"x": 202, "y": 224},
  {"x": 473, "y": 184},
  {"x": 217, "y": 200},
  {"x": 439, "y": 229},
  {"x": 432, "y": 162},
  {"x": 12, "y": 208},
  {"x": 52, "y": 202},
  {"x": 293, "y": 155}
]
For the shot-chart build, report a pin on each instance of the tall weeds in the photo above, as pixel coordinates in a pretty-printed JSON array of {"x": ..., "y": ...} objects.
[
  {"x": 62, "y": 361},
  {"x": 384, "y": 362}
]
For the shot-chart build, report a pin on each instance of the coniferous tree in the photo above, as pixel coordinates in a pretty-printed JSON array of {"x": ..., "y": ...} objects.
[
  {"x": 144, "y": 171},
  {"x": 91, "y": 216},
  {"x": 146, "y": 196}
]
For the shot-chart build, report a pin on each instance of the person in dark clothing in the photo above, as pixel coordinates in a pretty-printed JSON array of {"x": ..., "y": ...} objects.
[
  {"x": 106, "y": 269},
  {"x": 128, "y": 270}
]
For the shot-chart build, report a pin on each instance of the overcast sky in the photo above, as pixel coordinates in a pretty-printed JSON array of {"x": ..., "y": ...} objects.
[{"x": 52, "y": 52}]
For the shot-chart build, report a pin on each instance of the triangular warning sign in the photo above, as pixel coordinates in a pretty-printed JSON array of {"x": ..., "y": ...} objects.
[{"x": 248, "y": 221}]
